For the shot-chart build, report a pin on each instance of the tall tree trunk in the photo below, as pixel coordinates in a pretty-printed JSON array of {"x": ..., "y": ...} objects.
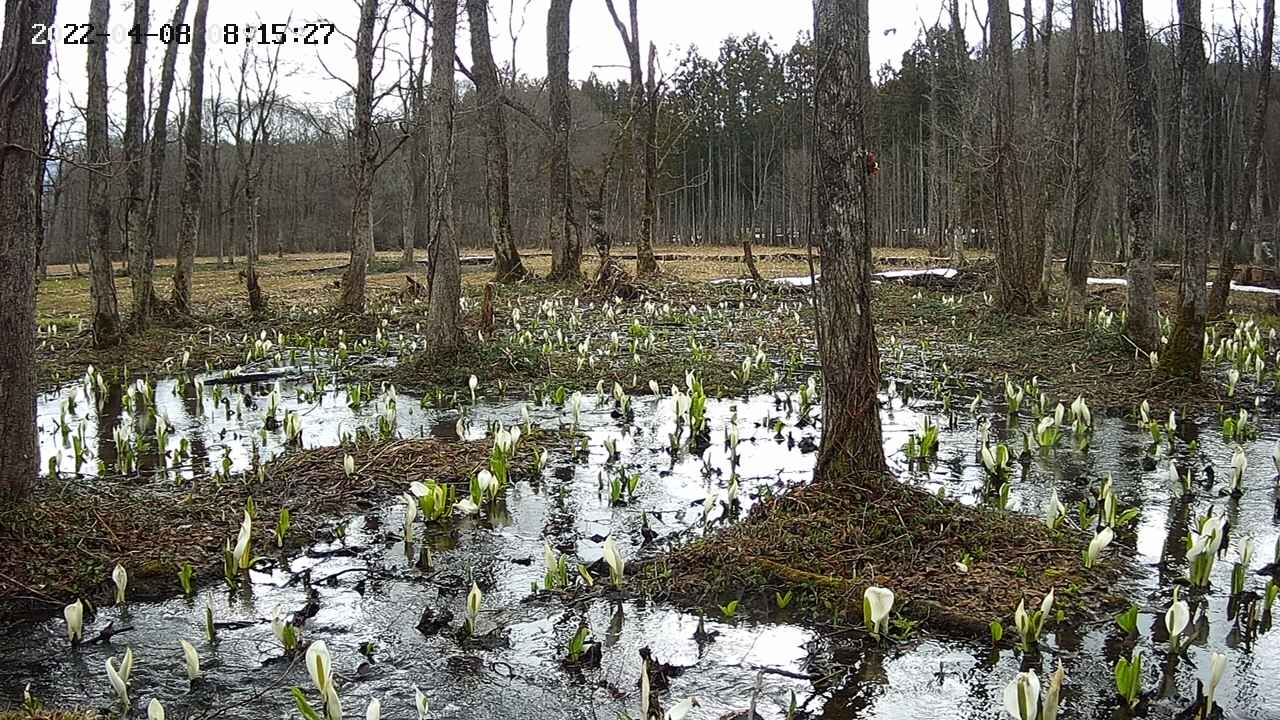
[
  {"x": 646, "y": 262},
  {"x": 141, "y": 255},
  {"x": 252, "y": 227},
  {"x": 22, "y": 128},
  {"x": 640, "y": 118},
  {"x": 497, "y": 164},
  {"x": 1141, "y": 323},
  {"x": 444, "y": 326},
  {"x": 159, "y": 138},
  {"x": 193, "y": 172},
  {"x": 1183, "y": 355},
  {"x": 1245, "y": 187},
  {"x": 1018, "y": 259},
  {"x": 1085, "y": 163},
  {"x": 106, "y": 311},
  {"x": 562, "y": 230},
  {"x": 362, "y": 166},
  {"x": 851, "y": 439}
]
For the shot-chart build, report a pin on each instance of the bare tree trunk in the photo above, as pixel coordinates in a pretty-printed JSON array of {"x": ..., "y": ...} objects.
[
  {"x": 1085, "y": 161},
  {"x": 497, "y": 163},
  {"x": 1183, "y": 355},
  {"x": 193, "y": 176},
  {"x": 562, "y": 231},
  {"x": 257, "y": 301},
  {"x": 362, "y": 166},
  {"x": 1018, "y": 259},
  {"x": 444, "y": 324},
  {"x": 106, "y": 312},
  {"x": 159, "y": 138},
  {"x": 22, "y": 129},
  {"x": 642, "y": 119},
  {"x": 1242, "y": 205},
  {"x": 1141, "y": 323},
  {"x": 851, "y": 439},
  {"x": 141, "y": 255}
]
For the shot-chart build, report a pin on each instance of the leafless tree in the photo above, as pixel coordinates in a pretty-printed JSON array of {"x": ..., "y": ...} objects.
[
  {"x": 257, "y": 96},
  {"x": 159, "y": 139},
  {"x": 1246, "y": 185},
  {"x": 1085, "y": 160},
  {"x": 851, "y": 439},
  {"x": 23, "y": 72},
  {"x": 1141, "y": 323},
  {"x": 643, "y": 121},
  {"x": 189, "y": 230},
  {"x": 1183, "y": 355},
  {"x": 497, "y": 163},
  {"x": 106, "y": 311},
  {"x": 1018, "y": 258},
  {"x": 444, "y": 326},
  {"x": 563, "y": 233},
  {"x": 141, "y": 256}
]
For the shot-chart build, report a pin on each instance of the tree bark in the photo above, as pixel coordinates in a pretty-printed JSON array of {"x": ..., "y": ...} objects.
[
  {"x": 159, "y": 138},
  {"x": 1141, "y": 323},
  {"x": 1183, "y": 356},
  {"x": 642, "y": 121},
  {"x": 1245, "y": 187},
  {"x": 851, "y": 439},
  {"x": 1085, "y": 163},
  {"x": 1018, "y": 259},
  {"x": 444, "y": 327},
  {"x": 193, "y": 171},
  {"x": 497, "y": 163},
  {"x": 106, "y": 311},
  {"x": 141, "y": 255},
  {"x": 563, "y": 234},
  {"x": 22, "y": 126},
  {"x": 363, "y": 162}
]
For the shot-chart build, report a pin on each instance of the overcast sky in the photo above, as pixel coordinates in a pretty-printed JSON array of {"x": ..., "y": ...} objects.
[{"x": 674, "y": 25}]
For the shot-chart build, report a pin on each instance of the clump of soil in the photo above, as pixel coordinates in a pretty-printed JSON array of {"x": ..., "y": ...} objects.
[{"x": 828, "y": 541}]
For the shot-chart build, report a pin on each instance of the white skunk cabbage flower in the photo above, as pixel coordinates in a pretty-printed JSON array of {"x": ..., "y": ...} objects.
[
  {"x": 119, "y": 679},
  {"x": 1054, "y": 510},
  {"x": 466, "y": 507},
  {"x": 74, "y": 615},
  {"x": 1051, "y": 696},
  {"x": 410, "y": 514},
  {"x": 319, "y": 665},
  {"x": 121, "y": 578},
  {"x": 332, "y": 703},
  {"x": 488, "y": 484},
  {"x": 1217, "y": 666},
  {"x": 1176, "y": 619},
  {"x": 1080, "y": 411},
  {"x": 374, "y": 712},
  {"x": 192, "y": 659},
  {"x": 155, "y": 711},
  {"x": 420, "y": 702},
  {"x": 614, "y": 559},
  {"x": 348, "y": 465},
  {"x": 876, "y": 604},
  {"x": 1097, "y": 545},
  {"x": 474, "y": 598},
  {"x": 549, "y": 556},
  {"x": 1239, "y": 463},
  {"x": 1022, "y": 696},
  {"x": 241, "y": 552},
  {"x": 473, "y": 382}
]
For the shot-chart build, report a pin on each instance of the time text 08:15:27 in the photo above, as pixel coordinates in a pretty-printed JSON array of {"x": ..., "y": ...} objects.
[{"x": 307, "y": 33}]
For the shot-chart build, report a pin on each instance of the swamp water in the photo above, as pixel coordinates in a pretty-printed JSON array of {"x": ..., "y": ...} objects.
[{"x": 377, "y": 593}]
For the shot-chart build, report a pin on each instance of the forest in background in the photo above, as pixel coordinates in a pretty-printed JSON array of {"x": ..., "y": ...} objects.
[{"x": 732, "y": 137}]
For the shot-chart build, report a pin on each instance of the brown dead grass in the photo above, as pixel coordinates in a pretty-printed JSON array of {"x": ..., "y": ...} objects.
[
  {"x": 828, "y": 541},
  {"x": 65, "y": 543}
]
